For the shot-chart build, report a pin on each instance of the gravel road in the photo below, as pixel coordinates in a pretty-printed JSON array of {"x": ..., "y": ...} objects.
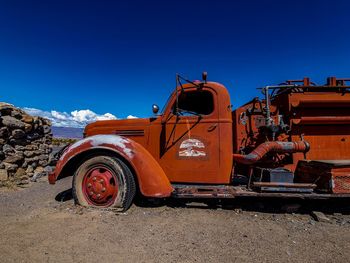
[{"x": 41, "y": 224}]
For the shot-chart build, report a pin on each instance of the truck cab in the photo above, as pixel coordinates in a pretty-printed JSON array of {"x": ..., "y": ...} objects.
[{"x": 191, "y": 139}]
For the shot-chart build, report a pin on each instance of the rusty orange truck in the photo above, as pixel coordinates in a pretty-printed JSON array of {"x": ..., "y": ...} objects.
[{"x": 293, "y": 142}]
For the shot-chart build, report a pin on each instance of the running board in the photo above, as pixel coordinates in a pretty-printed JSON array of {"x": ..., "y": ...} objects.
[
  {"x": 203, "y": 191},
  {"x": 284, "y": 187},
  {"x": 230, "y": 192}
]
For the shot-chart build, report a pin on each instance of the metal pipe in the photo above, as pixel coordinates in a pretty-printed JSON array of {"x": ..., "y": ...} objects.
[{"x": 277, "y": 147}]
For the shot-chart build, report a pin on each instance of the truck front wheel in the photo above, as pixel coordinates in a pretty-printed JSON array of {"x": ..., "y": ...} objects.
[{"x": 104, "y": 181}]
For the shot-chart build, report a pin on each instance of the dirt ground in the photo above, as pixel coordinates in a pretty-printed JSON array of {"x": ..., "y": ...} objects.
[{"x": 41, "y": 224}]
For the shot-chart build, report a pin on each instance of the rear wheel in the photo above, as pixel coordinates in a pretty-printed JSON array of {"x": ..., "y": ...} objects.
[{"x": 104, "y": 181}]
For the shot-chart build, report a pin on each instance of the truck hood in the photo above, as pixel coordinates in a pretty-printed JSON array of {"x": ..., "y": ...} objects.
[{"x": 127, "y": 127}]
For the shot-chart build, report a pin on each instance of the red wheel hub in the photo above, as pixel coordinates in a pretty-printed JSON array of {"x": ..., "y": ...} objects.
[{"x": 100, "y": 186}]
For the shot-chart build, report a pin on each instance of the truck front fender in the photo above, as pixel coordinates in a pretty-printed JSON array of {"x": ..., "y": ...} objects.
[{"x": 151, "y": 178}]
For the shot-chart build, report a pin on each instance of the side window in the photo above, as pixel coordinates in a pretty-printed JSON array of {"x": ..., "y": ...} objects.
[{"x": 196, "y": 102}]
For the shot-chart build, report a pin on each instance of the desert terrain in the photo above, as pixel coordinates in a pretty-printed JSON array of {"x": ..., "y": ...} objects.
[{"x": 41, "y": 224}]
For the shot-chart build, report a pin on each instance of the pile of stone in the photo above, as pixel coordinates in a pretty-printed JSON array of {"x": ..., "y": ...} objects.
[{"x": 25, "y": 145}]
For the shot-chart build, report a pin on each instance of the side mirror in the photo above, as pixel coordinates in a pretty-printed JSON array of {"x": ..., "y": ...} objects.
[{"x": 155, "y": 108}]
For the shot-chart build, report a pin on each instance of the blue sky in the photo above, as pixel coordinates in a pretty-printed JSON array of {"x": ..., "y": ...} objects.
[{"x": 119, "y": 57}]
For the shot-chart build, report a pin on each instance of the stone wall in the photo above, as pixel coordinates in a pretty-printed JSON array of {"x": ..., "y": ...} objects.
[{"x": 25, "y": 145}]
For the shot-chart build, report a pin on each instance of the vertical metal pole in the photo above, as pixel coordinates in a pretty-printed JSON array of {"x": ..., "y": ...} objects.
[
  {"x": 267, "y": 106},
  {"x": 177, "y": 96}
]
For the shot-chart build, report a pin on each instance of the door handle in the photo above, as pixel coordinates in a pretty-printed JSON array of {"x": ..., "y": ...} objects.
[{"x": 212, "y": 127}]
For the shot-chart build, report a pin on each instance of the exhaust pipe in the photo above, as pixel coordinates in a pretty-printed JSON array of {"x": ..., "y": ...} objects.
[{"x": 277, "y": 147}]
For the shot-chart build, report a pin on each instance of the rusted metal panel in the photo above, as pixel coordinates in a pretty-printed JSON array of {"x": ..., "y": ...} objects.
[
  {"x": 321, "y": 120},
  {"x": 135, "y": 129},
  {"x": 332, "y": 176},
  {"x": 207, "y": 138}
]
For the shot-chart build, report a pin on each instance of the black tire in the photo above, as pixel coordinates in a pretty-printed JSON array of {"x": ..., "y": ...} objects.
[{"x": 121, "y": 179}]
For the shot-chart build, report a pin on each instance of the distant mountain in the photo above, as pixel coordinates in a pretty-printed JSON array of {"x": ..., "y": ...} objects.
[{"x": 67, "y": 132}]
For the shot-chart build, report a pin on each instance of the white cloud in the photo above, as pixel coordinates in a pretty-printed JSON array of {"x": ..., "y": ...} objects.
[
  {"x": 77, "y": 118},
  {"x": 59, "y": 115},
  {"x": 131, "y": 117},
  {"x": 84, "y": 116},
  {"x": 106, "y": 116}
]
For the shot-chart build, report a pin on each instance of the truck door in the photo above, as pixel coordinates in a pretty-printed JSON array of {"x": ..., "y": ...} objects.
[{"x": 190, "y": 138}]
